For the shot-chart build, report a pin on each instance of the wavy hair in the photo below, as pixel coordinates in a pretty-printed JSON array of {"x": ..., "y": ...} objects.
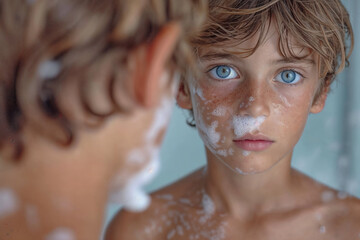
[{"x": 52, "y": 48}]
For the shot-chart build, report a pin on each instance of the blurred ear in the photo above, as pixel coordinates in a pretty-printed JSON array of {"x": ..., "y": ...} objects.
[
  {"x": 183, "y": 97},
  {"x": 319, "y": 103},
  {"x": 149, "y": 64}
]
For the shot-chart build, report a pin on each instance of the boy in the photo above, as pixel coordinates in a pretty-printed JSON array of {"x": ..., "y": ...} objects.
[
  {"x": 266, "y": 66},
  {"x": 86, "y": 88}
]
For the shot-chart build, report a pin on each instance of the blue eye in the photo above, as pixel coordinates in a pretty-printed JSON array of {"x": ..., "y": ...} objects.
[
  {"x": 223, "y": 72},
  {"x": 288, "y": 76}
]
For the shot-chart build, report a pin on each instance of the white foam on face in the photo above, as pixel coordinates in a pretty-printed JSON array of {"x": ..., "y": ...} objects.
[
  {"x": 213, "y": 136},
  {"x": 219, "y": 111},
  {"x": 8, "y": 202},
  {"x": 231, "y": 151},
  {"x": 131, "y": 195},
  {"x": 285, "y": 101},
  {"x": 222, "y": 152},
  {"x": 61, "y": 234},
  {"x": 322, "y": 229},
  {"x": 49, "y": 69},
  {"x": 200, "y": 93},
  {"x": 246, "y": 124}
]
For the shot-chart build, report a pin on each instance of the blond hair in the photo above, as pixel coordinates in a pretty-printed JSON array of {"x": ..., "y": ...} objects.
[
  {"x": 323, "y": 26},
  {"x": 50, "y": 43}
]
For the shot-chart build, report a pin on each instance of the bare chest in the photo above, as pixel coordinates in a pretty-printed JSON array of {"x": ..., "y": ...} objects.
[{"x": 295, "y": 227}]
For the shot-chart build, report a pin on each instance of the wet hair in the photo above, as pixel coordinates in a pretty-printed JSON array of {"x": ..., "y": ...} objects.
[
  {"x": 321, "y": 26},
  {"x": 52, "y": 49}
]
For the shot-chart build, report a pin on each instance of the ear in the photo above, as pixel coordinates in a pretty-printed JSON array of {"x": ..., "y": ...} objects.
[
  {"x": 319, "y": 103},
  {"x": 149, "y": 65},
  {"x": 183, "y": 97}
]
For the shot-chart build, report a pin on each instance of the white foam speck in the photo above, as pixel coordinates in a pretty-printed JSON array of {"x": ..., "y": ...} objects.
[
  {"x": 322, "y": 229},
  {"x": 246, "y": 124},
  {"x": 162, "y": 116},
  {"x": 32, "y": 217},
  {"x": 200, "y": 93},
  {"x": 342, "y": 195},
  {"x": 8, "y": 203},
  {"x": 231, "y": 151},
  {"x": 251, "y": 99},
  {"x": 208, "y": 204},
  {"x": 179, "y": 230},
  {"x": 49, "y": 69},
  {"x": 167, "y": 197},
  {"x": 285, "y": 101},
  {"x": 209, "y": 208},
  {"x": 245, "y": 153},
  {"x": 238, "y": 170},
  {"x": 219, "y": 111},
  {"x": 132, "y": 196},
  {"x": 171, "y": 234},
  {"x": 222, "y": 152},
  {"x": 327, "y": 196},
  {"x": 61, "y": 234}
]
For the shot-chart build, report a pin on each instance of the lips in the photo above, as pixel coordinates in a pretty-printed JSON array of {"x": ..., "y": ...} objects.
[{"x": 251, "y": 142}]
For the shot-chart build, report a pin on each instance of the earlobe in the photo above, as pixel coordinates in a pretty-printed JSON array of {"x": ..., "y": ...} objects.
[
  {"x": 183, "y": 97},
  {"x": 149, "y": 63},
  {"x": 319, "y": 104}
]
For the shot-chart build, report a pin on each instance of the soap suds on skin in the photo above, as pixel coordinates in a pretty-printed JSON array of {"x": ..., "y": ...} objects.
[
  {"x": 61, "y": 234},
  {"x": 285, "y": 101},
  {"x": 246, "y": 124},
  {"x": 246, "y": 153},
  {"x": 131, "y": 196},
  {"x": 32, "y": 217},
  {"x": 209, "y": 208},
  {"x": 8, "y": 202},
  {"x": 219, "y": 111}
]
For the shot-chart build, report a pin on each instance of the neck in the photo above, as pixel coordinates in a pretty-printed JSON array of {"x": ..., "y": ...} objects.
[{"x": 244, "y": 194}]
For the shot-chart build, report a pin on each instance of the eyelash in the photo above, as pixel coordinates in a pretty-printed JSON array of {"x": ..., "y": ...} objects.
[
  {"x": 291, "y": 84},
  {"x": 219, "y": 78}
]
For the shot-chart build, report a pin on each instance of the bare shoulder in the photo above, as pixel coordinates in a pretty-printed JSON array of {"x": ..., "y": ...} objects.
[
  {"x": 167, "y": 204},
  {"x": 343, "y": 218}
]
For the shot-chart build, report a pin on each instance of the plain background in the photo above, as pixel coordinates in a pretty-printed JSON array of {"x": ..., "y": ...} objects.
[{"x": 329, "y": 150}]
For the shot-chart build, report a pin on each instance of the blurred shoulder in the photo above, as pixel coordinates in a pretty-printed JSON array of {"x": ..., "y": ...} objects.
[
  {"x": 343, "y": 217},
  {"x": 166, "y": 205}
]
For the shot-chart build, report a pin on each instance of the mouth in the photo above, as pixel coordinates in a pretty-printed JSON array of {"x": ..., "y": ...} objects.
[{"x": 255, "y": 143}]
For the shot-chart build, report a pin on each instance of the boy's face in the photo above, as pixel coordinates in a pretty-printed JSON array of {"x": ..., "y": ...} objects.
[{"x": 251, "y": 111}]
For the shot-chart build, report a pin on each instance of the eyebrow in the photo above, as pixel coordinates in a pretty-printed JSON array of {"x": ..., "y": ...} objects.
[
  {"x": 293, "y": 61},
  {"x": 216, "y": 56}
]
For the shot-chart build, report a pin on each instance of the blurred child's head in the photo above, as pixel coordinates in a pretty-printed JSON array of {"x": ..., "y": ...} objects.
[
  {"x": 105, "y": 65},
  {"x": 266, "y": 65}
]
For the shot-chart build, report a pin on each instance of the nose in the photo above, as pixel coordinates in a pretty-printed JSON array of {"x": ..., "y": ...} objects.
[{"x": 254, "y": 99}]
